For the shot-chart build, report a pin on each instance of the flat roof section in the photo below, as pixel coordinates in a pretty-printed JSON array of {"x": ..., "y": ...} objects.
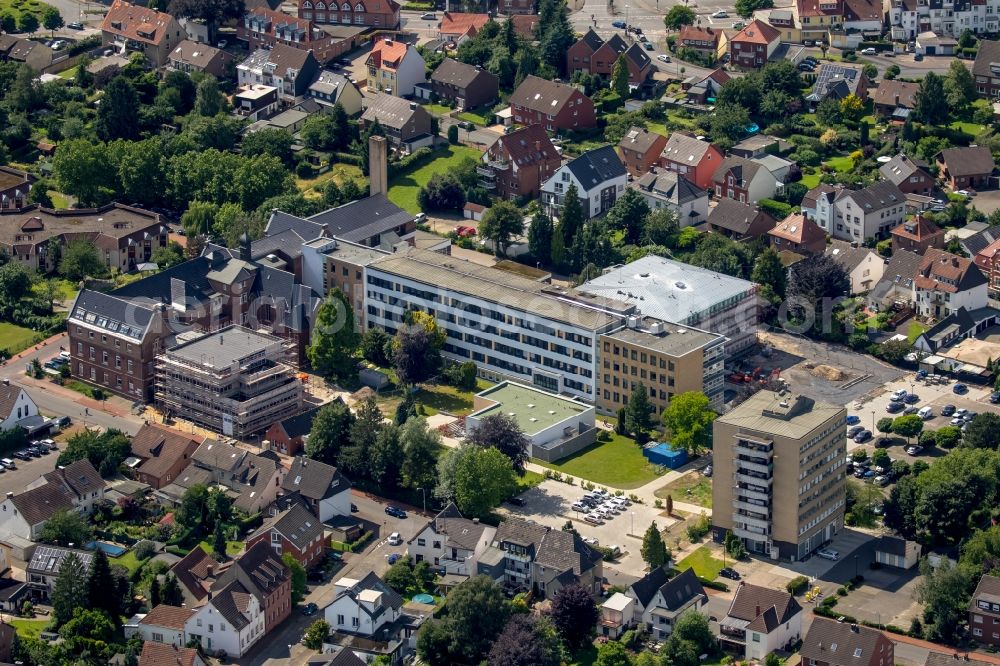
[
  {"x": 533, "y": 409},
  {"x": 223, "y": 348},
  {"x": 788, "y": 415},
  {"x": 675, "y": 341}
]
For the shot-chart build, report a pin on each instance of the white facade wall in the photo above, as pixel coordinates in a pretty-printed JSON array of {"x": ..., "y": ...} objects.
[
  {"x": 12, "y": 522},
  {"x": 759, "y": 645},
  {"x": 410, "y": 72},
  {"x": 556, "y": 186},
  {"x": 347, "y": 614},
  {"x": 23, "y": 407},
  {"x": 551, "y": 433},
  {"x": 217, "y": 634},
  {"x": 166, "y": 635},
  {"x": 970, "y": 299},
  {"x": 684, "y": 212},
  {"x": 336, "y": 505},
  {"x": 853, "y": 223},
  {"x": 386, "y": 306}
]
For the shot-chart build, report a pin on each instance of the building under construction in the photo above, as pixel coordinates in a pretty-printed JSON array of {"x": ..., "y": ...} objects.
[{"x": 234, "y": 381}]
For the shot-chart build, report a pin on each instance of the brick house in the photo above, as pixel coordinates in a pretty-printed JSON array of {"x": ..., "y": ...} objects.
[
  {"x": 518, "y": 163},
  {"x": 984, "y": 611},
  {"x": 640, "y": 150},
  {"x": 592, "y": 55},
  {"x": 289, "y": 436},
  {"x": 917, "y": 235},
  {"x": 191, "y": 56},
  {"x": 833, "y": 643},
  {"x": 265, "y": 28},
  {"x": 352, "y": 13},
  {"x": 294, "y": 530},
  {"x": 129, "y": 27},
  {"x": 965, "y": 168},
  {"x": 460, "y": 26},
  {"x": 706, "y": 40},
  {"x": 739, "y": 221},
  {"x": 164, "y": 454},
  {"x": 465, "y": 86},
  {"x": 692, "y": 158},
  {"x": 554, "y": 106},
  {"x": 287, "y": 69},
  {"x": 890, "y": 97},
  {"x": 798, "y": 234},
  {"x": 753, "y": 46},
  {"x": 986, "y": 69},
  {"x": 14, "y": 187},
  {"x": 910, "y": 176},
  {"x": 407, "y": 124},
  {"x": 327, "y": 492},
  {"x": 266, "y": 577},
  {"x": 745, "y": 180},
  {"x": 946, "y": 282},
  {"x": 988, "y": 261}
]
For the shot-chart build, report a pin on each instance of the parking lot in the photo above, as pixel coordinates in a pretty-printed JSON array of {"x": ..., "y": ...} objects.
[
  {"x": 16, "y": 480},
  {"x": 550, "y": 503}
]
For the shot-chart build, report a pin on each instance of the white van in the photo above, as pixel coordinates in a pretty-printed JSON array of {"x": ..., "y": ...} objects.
[
  {"x": 926, "y": 413},
  {"x": 8, "y": 463}
]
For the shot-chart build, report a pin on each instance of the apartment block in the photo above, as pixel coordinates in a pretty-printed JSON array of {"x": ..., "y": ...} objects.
[
  {"x": 666, "y": 358},
  {"x": 234, "y": 381},
  {"x": 779, "y": 484},
  {"x": 513, "y": 327}
]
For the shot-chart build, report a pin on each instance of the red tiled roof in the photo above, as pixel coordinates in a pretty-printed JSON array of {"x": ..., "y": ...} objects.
[
  {"x": 757, "y": 32},
  {"x": 137, "y": 23},
  {"x": 171, "y": 617},
  {"x": 462, "y": 24},
  {"x": 698, "y": 34},
  {"x": 161, "y": 654},
  {"x": 387, "y": 53}
]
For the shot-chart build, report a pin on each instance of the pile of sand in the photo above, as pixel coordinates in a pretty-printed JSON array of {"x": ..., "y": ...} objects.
[{"x": 828, "y": 373}]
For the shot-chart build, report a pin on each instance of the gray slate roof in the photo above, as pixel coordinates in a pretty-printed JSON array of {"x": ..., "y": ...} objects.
[
  {"x": 391, "y": 111},
  {"x": 297, "y": 524},
  {"x": 315, "y": 480},
  {"x": 737, "y": 217},
  {"x": 39, "y": 504},
  {"x": 839, "y": 643},
  {"x": 681, "y": 589},
  {"x": 967, "y": 161},
  {"x": 670, "y": 186},
  {"x": 876, "y": 197},
  {"x": 360, "y": 220},
  {"x": 749, "y": 598},
  {"x": 846, "y": 255},
  {"x": 646, "y": 587},
  {"x": 597, "y": 166},
  {"x": 459, "y": 74}
]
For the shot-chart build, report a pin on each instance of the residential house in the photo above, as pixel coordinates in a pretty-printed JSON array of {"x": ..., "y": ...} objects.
[
  {"x": 331, "y": 88},
  {"x": 366, "y": 617},
  {"x": 407, "y": 124},
  {"x": 818, "y": 17},
  {"x": 79, "y": 481},
  {"x": 988, "y": 261},
  {"x": 863, "y": 266},
  {"x": 660, "y": 601},
  {"x": 835, "y": 643},
  {"x": 705, "y": 89},
  {"x": 260, "y": 571},
  {"x": 759, "y": 146},
  {"x": 230, "y": 622},
  {"x": 695, "y": 159},
  {"x": 195, "y": 573},
  {"x": 786, "y": 21},
  {"x": 753, "y": 46},
  {"x": 616, "y": 615},
  {"x": 158, "y": 654},
  {"x": 984, "y": 611},
  {"x": 948, "y": 659},
  {"x": 837, "y": 81},
  {"x": 592, "y": 55},
  {"x": 524, "y": 24},
  {"x": 129, "y": 27},
  {"x": 946, "y": 282},
  {"x": 959, "y": 325},
  {"x": 668, "y": 189},
  {"x": 359, "y": 14},
  {"x": 897, "y": 283},
  {"x": 14, "y": 187},
  {"x": 640, "y": 150},
  {"x": 394, "y": 67},
  {"x": 289, "y": 70},
  {"x": 256, "y": 102},
  {"x": 459, "y": 26},
  {"x": 868, "y": 213},
  {"x": 290, "y": 435},
  {"x": 555, "y": 106},
  {"x": 903, "y": 16},
  {"x": 739, "y": 221},
  {"x": 535, "y": 557},
  {"x": 24, "y": 514},
  {"x": 163, "y": 453},
  {"x": 980, "y": 240},
  {"x": 295, "y": 530},
  {"x": 165, "y": 624},
  {"x": 894, "y": 99},
  {"x": 123, "y": 235},
  {"x": 779, "y": 167},
  {"x": 451, "y": 542},
  {"x": 327, "y": 492},
  {"x": 910, "y": 176},
  {"x": 254, "y": 479},
  {"x": 465, "y": 86},
  {"x": 761, "y": 620},
  {"x": 36, "y": 55},
  {"x": 744, "y": 180},
  {"x": 932, "y": 43},
  {"x": 599, "y": 177},
  {"x": 965, "y": 167},
  {"x": 708, "y": 41},
  {"x": 916, "y": 235},
  {"x": 818, "y": 205},
  {"x": 798, "y": 234},
  {"x": 17, "y": 409},
  {"x": 864, "y": 16},
  {"x": 42, "y": 570},
  {"x": 514, "y": 8},
  {"x": 894, "y": 551},
  {"x": 519, "y": 162},
  {"x": 986, "y": 69},
  {"x": 190, "y": 57},
  {"x": 262, "y": 27}
]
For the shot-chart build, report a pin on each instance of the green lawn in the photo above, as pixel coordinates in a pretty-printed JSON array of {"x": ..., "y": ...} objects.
[
  {"x": 972, "y": 129},
  {"x": 311, "y": 187},
  {"x": 691, "y": 488},
  {"x": 233, "y": 548},
  {"x": 618, "y": 463},
  {"x": 79, "y": 387},
  {"x": 59, "y": 200},
  {"x": 528, "y": 481},
  {"x": 129, "y": 561},
  {"x": 914, "y": 330},
  {"x": 28, "y": 628},
  {"x": 65, "y": 290},
  {"x": 15, "y": 338},
  {"x": 437, "y": 109},
  {"x": 403, "y": 187},
  {"x": 841, "y": 164},
  {"x": 18, "y": 7},
  {"x": 703, "y": 563},
  {"x": 810, "y": 180},
  {"x": 443, "y": 398},
  {"x": 481, "y": 118}
]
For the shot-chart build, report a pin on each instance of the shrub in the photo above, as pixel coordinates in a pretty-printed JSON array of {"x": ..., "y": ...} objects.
[
  {"x": 304, "y": 170},
  {"x": 144, "y": 549},
  {"x": 797, "y": 585},
  {"x": 829, "y": 602},
  {"x": 713, "y": 584}
]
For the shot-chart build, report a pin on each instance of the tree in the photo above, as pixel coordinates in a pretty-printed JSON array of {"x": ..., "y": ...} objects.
[
  {"x": 415, "y": 356},
  {"x": 192, "y": 513},
  {"x": 661, "y": 227},
  {"x": 219, "y": 541},
  {"x": 483, "y": 478},
  {"x": 374, "y": 345},
  {"x": 298, "y": 577},
  {"x": 88, "y": 631},
  {"x": 102, "y": 592},
  {"x": 70, "y": 590},
  {"x": 949, "y": 436},
  {"x": 746, "y": 8},
  {"x": 771, "y": 275},
  {"x": 172, "y": 595},
  {"x": 959, "y": 86},
  {"x": 165, "y": 257},
  {"x": 983, "y": 431},
  {"x": 442, "y": 193},
  {"x": 852, "y": 108},
  {"x": 638, "y": 412},
  {"x": 526, "y": 640},
  {"x": 944, "y": 591},
  {"x": 15, "y": 282},
  {"x": 501, "y": 223},
  {"x": 558, "y": 258},
  {"x": 66, "y": 527},
  {"x": 52, "y": 19},
  {"x": 654, "y": 551},
  {"x": 694, "y": 627},
  {"x": 27, "y": 22},
  {"x": 689, "y": 419},
  {"x": 334, "y": 340},
  {"x": 8, "y": 22},
  {"x": 678, "y": 17},
  {"x": 400, "y": 578},
  {"x": 80, "y": 168},
  {"x": 368, "y": 424},
  {"x": 199, "y": 218},
  {"x": 329, "y": 429},
  {"x": 540, "y": 237},
  {"x": 619, "y": 77},
  {"x": 155, "y": 598},
  {"x": 908, "y": 426},
  {"x": 574, "y": 614},
  {"x": 502, "y": 432},
  {"x": 477, "y": 613},
  {"x": 116, "y": 116},
  {"x": 628, "y": 214},
  {"x": 931, "y": 103},
  {"x": 275, "y": 142},
  {"x": 317, "y": 634},
  {"x": 612, "y": 653},
  {"x": 420, "y": 448},
  {"x": 208, "y": 99},
  {"x": 571, "y": 216}
]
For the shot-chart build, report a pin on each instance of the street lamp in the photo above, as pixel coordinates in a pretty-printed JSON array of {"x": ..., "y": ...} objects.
[{"x": 873, "y": 421}]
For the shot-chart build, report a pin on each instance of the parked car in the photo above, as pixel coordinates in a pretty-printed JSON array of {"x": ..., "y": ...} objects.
[
  {"x": 894, "y": 407},
  {"x": 828, "y": 554},
  {"x": 618, "y": 24},
  {"x": 580, "y": 506},
  {"x": 853, "y": 420},
  {"x": 960, "y": 389},
  {"x": 730, "y": 573},
  {"x": 918, "y": 57},
  {"x": 898, "y": 396},
  {"x": 464, "y": 231},
  {"x": 995, "y": 397},
  {"x": 593, "y": 519},
  {"x": 912, "y": 409},
  {"x": 75, "y": 25},
  {"x": 393, "y": 558},
  {"x": 739, "y": 25},
  {"x": 720, "y": 14},
  {"x": 707, "y": 471},
  {"x": 961, "y": 411},
  {"x": 429, "y": 16},
  {"x": 854, "y": 430},
  {"x": 947, "y": 410},
  {"x": 883, "y": 442},
  {"x": 648, "y": 46},
  {"x": 911, "y": 398},
  {"x": 395, "y": 511},
  {"x": 223, "y": 43},
  {"x": 515, "y": 501},
  {"x": 882, "y": 481},
  {"x": 868, "y": 51},
  {"x": 914, "y": 449},
  {"x": 309, "y": 609},
  {"x": 395, "y": 539},
  {"x": 663, "y": 58}
]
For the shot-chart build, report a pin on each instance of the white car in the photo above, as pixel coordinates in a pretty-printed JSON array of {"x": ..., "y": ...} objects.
[
  {"x": 898, "y": 395},
  {"x": 868, "y": 51},
  {"x": 828, "y": 554},
  {"x": 720, "y": 14},
  {"x": 593, "y": 519},
  {"x": 395, "y": 539},
  {"x": 663, "y": 58}
]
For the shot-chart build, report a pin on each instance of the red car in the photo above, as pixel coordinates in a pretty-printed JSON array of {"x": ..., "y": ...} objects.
[{"x": 464, "y": 231}]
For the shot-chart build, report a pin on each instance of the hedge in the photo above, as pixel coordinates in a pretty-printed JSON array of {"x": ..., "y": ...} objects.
[
  {"x": 775, "y": 209},
  {"x": 414, "y": 160},
  {"x": 797, "y": 585},
  {"x": 713, "y": 584}
]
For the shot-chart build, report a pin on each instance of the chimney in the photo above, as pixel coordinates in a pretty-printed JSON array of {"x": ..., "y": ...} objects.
[
  {"x": 855, "y": 629},
  {"x": 9, "y": 495},
  {"x": 475, "y": 521},
  {"x": 378, "y": 168},
  {"x": 756, "y": 612},
  {"x": 897, "y": 100}
]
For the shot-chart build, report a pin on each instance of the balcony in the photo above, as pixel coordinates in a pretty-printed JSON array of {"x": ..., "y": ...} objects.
[
  {"x": 743, "y": 477},
  {"x": 752, "y": 534},
  {"x": 753, "y": 466},
  {"x": 751, "y": 522},
  {"x": 487, "y": 184},
  {"x": 748, "y": 506},
  {"x": 486, "y": 171},
  {"x": 749, "y": 493},
  {"x": 753, "y": 450}
]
